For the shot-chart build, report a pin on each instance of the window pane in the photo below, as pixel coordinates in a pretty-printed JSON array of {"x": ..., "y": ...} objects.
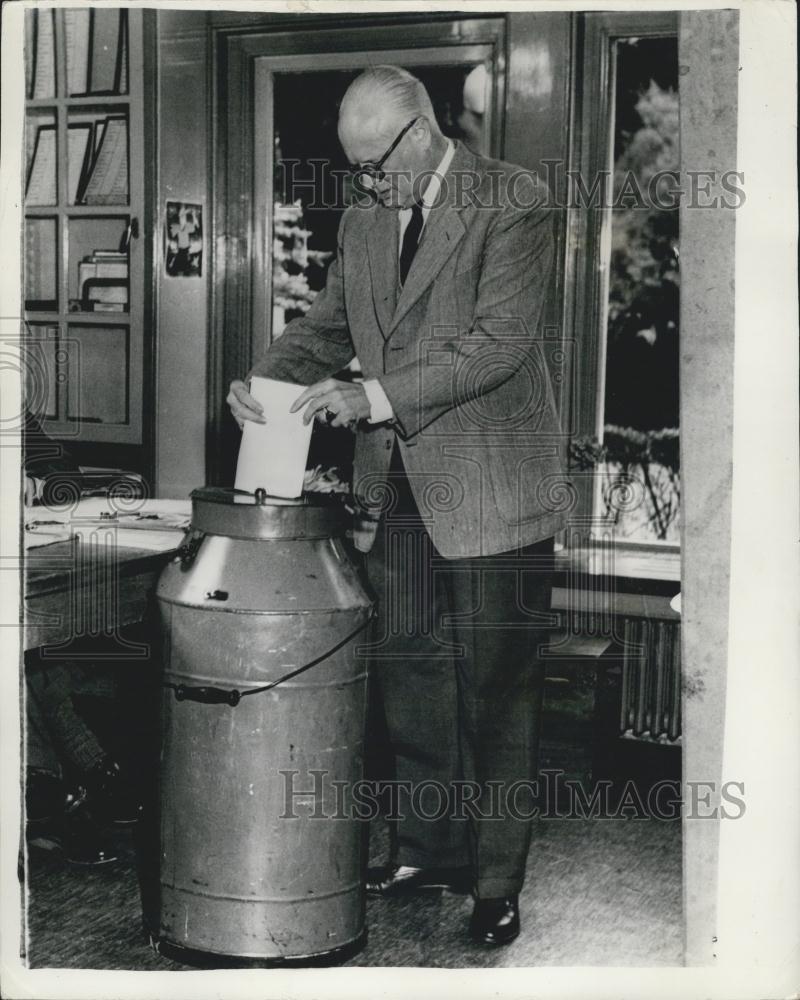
[
  {"x": 40, "y": 54},
  {"x": 641, "y": 417},
  {"x": 41, "y": 158},
  {"x": 97, "y": 380},
  {"x": 41, "y": 264},
  {"x": 41, "y": 384},
  {"x": 98, "y": 156},
  {"x": 98, "y": 268}
]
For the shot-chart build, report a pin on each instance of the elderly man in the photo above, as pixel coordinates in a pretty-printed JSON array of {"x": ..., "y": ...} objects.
[{"x": 438, "y": 287}]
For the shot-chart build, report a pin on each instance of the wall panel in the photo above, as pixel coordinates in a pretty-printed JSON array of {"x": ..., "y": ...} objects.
[{"x": 182, "y": 310}]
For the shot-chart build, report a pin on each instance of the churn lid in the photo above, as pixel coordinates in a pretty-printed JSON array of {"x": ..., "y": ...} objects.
[{"x": 221, "y": 511}]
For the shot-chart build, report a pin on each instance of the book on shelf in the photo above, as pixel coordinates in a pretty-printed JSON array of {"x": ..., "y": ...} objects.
[
  {"x": 30, "y": 52},
  {"x": 40, "y": 184},
  {"x": 107, "y": 50},
  {"x": 103, "y": 281},
  {"x": 79, "y": 157},
  {"x": 101, "y": 266},
  {"x": 40, "y": 54},
  {"x": 122, "y": 86},
  {"x": 77, "y": 31},
  {"x": 107, "y": 178},
  {"x": 95, "y": 130},
  {"x": 99, "y": 132},
  {"x": 40, "y": 275},
  {"x": 105, "y": 295}
]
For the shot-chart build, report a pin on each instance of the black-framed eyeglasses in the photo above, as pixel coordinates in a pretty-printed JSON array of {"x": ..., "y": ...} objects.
[{"x": 370, "y": 172}]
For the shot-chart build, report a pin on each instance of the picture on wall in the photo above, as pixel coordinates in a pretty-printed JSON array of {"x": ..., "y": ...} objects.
[{"x": 183, "y": 239}]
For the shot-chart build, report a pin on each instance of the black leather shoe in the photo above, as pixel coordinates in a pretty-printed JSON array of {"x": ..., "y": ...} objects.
[
  {"x": 495, "y": 921},
  {"x": 396, "y": 879},
  {"x": 84, "y": 837},
  {"x": 112, "y": 794}
]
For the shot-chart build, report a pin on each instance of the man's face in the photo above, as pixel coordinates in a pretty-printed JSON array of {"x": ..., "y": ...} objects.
[{"x": 366, "y": 141}]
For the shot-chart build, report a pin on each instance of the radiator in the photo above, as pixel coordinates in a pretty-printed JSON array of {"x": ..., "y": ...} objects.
[
  {"x": 651, "y": 679},
  {"x": 642, "y": 662}
]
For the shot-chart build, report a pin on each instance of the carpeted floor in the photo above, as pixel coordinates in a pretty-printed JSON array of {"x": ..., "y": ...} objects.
[
  {"x": 603, "y": 892},
  {"x": 598, "y": 892}
]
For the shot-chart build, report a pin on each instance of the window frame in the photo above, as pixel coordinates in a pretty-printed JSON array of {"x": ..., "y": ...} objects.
[{"x": 588, "y": 241}]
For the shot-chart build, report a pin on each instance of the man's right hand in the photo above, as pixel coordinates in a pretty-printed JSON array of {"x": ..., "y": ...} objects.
[{"x": 243, "y": 405}]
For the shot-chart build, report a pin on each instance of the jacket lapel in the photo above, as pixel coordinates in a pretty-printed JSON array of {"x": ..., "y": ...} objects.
[
  {"x": 442, "y": 233},
  {"x": 382, "y": 240}
]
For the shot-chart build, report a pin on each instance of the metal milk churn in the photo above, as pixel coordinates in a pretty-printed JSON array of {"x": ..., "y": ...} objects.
[{"x": 263, "y": 709}]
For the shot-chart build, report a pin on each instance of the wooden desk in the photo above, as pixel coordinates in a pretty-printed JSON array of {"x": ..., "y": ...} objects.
[{"x": 78, "y": 589}]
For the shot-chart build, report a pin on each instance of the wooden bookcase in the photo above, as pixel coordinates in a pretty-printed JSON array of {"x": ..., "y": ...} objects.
[{"x": 86, "y": 367}]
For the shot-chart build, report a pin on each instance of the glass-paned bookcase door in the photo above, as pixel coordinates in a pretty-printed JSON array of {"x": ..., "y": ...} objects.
[{"x": 83, "y": 261}]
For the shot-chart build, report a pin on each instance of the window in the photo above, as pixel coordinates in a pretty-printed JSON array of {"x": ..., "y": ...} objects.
[{"x": 626, "y": 320}]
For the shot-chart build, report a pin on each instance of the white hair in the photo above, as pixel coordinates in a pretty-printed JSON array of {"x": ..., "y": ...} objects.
[{"x": 388, "y": 92}]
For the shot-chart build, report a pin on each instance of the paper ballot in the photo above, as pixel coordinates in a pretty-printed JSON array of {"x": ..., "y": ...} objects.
[{"x": 273, "y": 455}]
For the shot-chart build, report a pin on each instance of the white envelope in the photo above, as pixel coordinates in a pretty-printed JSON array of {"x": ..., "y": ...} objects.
[{"x": 273, "y": 456}]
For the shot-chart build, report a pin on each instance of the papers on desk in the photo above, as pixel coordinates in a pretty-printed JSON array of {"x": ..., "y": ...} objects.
[
  {"x": 149, "y": 524},
  {"x": 36, "y": 539},
  {"x": 273, "y": 456},
  {"x": 154, "y": 540}
]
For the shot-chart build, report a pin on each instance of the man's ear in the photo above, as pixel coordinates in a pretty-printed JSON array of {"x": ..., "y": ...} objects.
[{"x": 422, "y": 133}]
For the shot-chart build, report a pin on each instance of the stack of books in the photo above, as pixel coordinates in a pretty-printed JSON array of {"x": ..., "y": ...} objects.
[{"x": 103, "y": 281}]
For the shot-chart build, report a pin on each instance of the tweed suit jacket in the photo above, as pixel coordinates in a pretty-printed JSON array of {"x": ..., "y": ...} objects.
[{"x": 458, "y": 353}]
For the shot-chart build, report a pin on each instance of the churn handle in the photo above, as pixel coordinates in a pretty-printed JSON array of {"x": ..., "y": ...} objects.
[{"x": 223, "y": 696}]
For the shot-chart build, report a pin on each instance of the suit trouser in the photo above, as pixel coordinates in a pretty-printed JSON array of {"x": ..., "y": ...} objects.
[
  {"x": 51, "y": 692},
  {"x": 454, "y": 660}
]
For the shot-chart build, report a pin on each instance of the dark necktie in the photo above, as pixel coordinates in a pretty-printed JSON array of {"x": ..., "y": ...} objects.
[{"x": 410, "y": 241}]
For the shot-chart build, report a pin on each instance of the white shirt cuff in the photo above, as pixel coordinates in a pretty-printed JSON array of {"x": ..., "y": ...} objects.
[{"x": 380, "y": 409}]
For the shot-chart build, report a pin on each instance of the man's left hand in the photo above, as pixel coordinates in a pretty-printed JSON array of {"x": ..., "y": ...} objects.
[{"x": 340, "y": 404}]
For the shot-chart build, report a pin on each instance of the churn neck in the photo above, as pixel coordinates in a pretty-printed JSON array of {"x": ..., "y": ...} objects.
[{"x": 232, "y": 513}]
